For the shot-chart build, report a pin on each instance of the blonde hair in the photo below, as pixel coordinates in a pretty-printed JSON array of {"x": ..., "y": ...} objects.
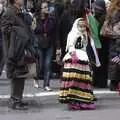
[{"x": 113, "y": 8}]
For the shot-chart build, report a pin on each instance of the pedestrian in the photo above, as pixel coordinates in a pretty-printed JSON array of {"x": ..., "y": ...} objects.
[
  {"x": 113, "y": 20},
  {"x": 15, "y": 38},
  {"x": 54, "y": 8},
  {"x": 100, "y": 74},
  {"x": 46, "y": 32},
  {"x": 76, "y": 84}
]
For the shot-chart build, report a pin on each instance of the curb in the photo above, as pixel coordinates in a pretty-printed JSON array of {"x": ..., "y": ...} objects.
[{"x": 55, "y": 93}]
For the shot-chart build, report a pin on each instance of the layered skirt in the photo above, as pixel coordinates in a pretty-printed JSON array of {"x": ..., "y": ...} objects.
[{"x": 76, "y": 85}]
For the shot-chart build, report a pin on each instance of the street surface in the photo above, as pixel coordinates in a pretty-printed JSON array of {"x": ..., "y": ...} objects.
[{"x": 45, "y": 106}]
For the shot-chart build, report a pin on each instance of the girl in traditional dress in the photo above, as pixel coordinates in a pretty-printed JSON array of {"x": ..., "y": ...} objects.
[{"x": 76, "y": 84}]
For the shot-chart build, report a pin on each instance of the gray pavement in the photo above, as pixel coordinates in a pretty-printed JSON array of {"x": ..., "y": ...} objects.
[
  {"x": 45, "y": 106},
  {"x": 48, "y": 108}
]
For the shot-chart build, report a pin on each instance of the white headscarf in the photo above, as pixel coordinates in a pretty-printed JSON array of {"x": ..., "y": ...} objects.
[{"x": 73, "y": 35}]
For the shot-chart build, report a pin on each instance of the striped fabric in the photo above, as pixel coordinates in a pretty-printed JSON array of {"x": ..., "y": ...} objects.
[
  {"x": 76, "y": 84},
  {"x": 116, "y": 59}
]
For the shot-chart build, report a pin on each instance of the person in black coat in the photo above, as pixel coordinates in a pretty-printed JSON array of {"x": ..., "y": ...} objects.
[
  {"x": 15, "y": 38},
  {"x": 100, "y": 74}
]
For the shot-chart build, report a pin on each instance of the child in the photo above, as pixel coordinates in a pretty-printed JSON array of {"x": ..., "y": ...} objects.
[{"x": 76, "y": 84}]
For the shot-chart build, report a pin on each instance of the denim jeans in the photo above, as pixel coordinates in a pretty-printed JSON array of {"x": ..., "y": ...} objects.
[{"x": 45, "y": 64}]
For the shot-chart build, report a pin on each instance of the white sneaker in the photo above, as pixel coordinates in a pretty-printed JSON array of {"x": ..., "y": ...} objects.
[
  {"x": 36, "y": 83},
  {"x": 47, "y": 88}
]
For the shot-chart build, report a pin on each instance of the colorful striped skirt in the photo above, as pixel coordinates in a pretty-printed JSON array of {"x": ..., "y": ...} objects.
[{"x": 76, "y": 85}]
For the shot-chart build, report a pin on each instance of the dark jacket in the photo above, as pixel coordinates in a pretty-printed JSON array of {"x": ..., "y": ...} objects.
[
  {"x": 10, "y": 18},
  {"x": 49, "y": 27},
  {"x": 114, "y": 50},
  {"x": 15, "y": 38}
]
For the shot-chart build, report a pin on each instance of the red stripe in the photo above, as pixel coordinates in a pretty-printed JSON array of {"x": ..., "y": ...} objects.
[{"x": 66, "y": 84}]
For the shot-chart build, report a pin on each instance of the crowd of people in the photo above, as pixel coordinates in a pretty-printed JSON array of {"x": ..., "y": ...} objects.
[{"x": 73, "y": 32}]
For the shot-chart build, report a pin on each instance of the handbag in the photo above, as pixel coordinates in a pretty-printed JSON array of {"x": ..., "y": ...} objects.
[
  {"x": 32, "y": 70},
  {"x": 31, "y": 51},
  {"x": 29, "y": 57}
]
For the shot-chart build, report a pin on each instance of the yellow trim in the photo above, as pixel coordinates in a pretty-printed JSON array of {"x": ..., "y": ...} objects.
[
  {"x": 77, "y": 93},
  {"x": 76, "y": 75},
  {"x": 80, "y": 94},
  {"x": 83, "y": 100},
  {"x": 63, "y": 92}
]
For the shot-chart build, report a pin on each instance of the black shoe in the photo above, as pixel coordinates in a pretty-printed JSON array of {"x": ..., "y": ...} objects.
[
  {"x": 112, "y": 89},
  {"x": 113, "y": 86},
  {"x": 24, "y": 103},
  {"x": 18, "y": 105},
  {"x": 95, "y": 99}
]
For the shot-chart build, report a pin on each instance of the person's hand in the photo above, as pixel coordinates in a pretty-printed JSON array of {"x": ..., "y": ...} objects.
[
  {"x": 116, "y": 59},
  {"x": 58, "y": 52},
  {"x": 58, "y": 56}
]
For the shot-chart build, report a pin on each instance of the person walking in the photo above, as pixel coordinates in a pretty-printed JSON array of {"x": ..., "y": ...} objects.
[{"x": 46, "y": 32}]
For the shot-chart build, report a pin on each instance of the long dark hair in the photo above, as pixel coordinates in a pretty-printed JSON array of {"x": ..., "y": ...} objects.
[
  {"x": 78, "y": 7},
  {"x": 38, "y": 7}
]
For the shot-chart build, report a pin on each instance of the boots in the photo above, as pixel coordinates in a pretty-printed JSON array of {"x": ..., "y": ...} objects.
[
  {"x": 113, "y": 85},
  {"x": 17, "y": 104}
]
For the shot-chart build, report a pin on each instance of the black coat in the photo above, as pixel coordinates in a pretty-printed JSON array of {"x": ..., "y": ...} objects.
[
  {"x": 50, "y": 30},
  {"x": 15, "y": 38},
  {"x": 114, "y": 50}
]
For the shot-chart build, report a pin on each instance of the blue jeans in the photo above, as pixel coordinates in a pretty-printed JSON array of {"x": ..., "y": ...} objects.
[{"x": 45, "y": 64}]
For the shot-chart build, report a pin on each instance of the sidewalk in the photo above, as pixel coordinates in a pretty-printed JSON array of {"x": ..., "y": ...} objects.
[
  {"x": 31, "y": 92},
  {"x": 44, "y": 105}
]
